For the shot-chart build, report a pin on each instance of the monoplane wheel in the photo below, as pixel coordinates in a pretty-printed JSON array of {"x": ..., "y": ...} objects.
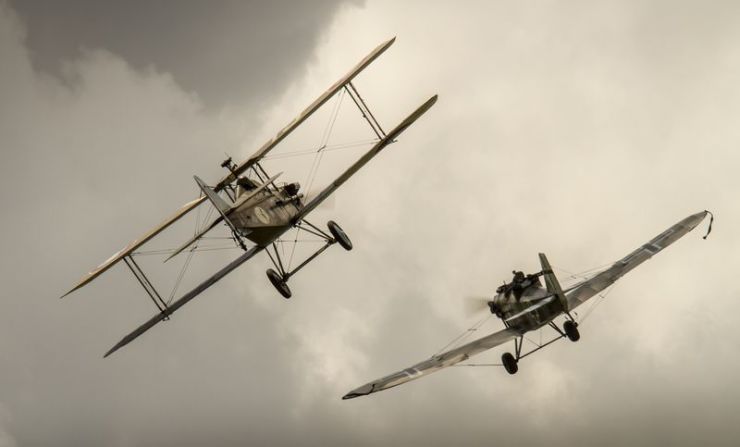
[
  {"x": 571, "y": 330},
  {"x": 510, "y": 363},
  {"x": 339, "y": 235},
  {"x": 278, "y": 282}
]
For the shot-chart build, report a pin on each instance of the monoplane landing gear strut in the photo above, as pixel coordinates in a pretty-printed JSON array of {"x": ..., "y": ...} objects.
[{"x": 511, "y": 362}]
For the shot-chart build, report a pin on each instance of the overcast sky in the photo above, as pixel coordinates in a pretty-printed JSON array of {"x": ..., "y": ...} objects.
[{"x": 579, "y": 129}]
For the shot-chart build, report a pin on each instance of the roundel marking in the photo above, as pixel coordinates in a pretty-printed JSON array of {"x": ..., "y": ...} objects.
[{"x": 262, "y": 215}]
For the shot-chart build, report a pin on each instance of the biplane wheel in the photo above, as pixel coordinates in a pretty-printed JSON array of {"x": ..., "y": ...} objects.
[
  {"x": 339, "y": 235},
  {"x": 510, "y": 363},
  {"x": 571, "y": 330},
  {"x": 278, "y": 282}
]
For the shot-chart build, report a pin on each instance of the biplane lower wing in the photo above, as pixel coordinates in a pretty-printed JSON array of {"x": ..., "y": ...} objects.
[
  {"x": 169, "y": 310},
  {"x": 375, "y": 150},
  {"x": 136, "y": 243},
  {"x": 587, "y": 289},
  {"x": 435, "y": 363}
]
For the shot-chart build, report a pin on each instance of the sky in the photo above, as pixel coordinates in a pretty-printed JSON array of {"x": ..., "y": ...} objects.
[{"x": 579, "y": 129}]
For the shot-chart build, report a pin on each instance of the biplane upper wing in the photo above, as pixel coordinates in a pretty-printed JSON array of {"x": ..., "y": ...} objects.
[
  {"x": 385, "y": 141},
  {"x": 170, "y": 309},
  {"x": 285, "y": 131},
  {"x": 587, "y": 289},
  {"x": 136, "y": 243},
  {"x": 435, "y": 363}
]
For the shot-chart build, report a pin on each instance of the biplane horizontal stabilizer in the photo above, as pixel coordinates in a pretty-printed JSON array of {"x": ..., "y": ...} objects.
[{"x": 192, "y": 240}]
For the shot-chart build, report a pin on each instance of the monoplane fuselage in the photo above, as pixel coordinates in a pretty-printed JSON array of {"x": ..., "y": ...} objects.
[{"x": 523, "y": 304}]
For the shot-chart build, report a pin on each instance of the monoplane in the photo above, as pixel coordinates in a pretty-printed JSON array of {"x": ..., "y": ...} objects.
[
  {"x": 524, "y": 305},
  {"x": 257, "y": 210}
]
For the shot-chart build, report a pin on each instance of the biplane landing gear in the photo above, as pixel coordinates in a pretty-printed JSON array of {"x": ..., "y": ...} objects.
[
  {"x": 510, "y": 363},
  {"x": 339, "y": 235},
  {"x": 571, "y": 330},
  {"x": 279, "y": 283}
]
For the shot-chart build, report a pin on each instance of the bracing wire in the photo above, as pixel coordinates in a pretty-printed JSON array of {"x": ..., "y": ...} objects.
[
  {"x": 462, "y": 337},
  {"x": 319, "y": 154},
  {"x": 601, "y": 297},
  {"x": 185, "y": 266},
  {"x": 326, "y": 148}
]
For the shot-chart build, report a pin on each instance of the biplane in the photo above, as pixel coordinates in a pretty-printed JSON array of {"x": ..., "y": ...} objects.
[
  {"x": 257, "y": 210},
  {"x": 524, "y": 305}
]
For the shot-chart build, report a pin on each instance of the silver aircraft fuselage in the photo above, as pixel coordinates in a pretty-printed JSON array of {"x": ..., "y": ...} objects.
[{"x": 512, "y": 301}]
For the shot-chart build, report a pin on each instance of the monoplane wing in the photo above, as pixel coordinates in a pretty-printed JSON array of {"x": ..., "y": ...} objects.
[
  {"x": 587, "y": 289},
  {"x": 375, "y": 150},
  {"x": 136, "y": 243},
  {"x": 285, "y": 131},
  {"x": 435, "y": 363},
  {"x": 169, "y": 310}
]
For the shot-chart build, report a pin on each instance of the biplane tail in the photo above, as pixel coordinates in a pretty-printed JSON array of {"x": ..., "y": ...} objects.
[{"x": 220, "y": 204}]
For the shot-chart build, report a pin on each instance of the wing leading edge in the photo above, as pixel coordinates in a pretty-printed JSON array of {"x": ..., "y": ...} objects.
[
  {"x": 582, "y": 292},
  {"x": 435, "y": 363}
]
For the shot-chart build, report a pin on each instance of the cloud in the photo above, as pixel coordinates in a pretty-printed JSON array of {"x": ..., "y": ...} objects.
[
  {"x": 6, "y": 439},
  {"x": 581, "y": 131},
  {"x": 224, "y": 52}
]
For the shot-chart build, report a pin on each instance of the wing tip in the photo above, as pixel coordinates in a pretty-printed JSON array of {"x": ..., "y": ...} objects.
[
  {"x": 113, "y": 349},
  {"x": 71, "y": 290},
  {"x": 361, "y": 391}
]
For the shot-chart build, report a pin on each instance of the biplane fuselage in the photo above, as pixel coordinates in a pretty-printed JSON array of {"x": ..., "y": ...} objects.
[{"x": 266, "y": 216}]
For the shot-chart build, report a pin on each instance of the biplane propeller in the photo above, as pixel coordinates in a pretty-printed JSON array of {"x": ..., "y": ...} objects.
[
  {"x": 258, "y": 211},
  {"x": 524, "y": 305}
]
